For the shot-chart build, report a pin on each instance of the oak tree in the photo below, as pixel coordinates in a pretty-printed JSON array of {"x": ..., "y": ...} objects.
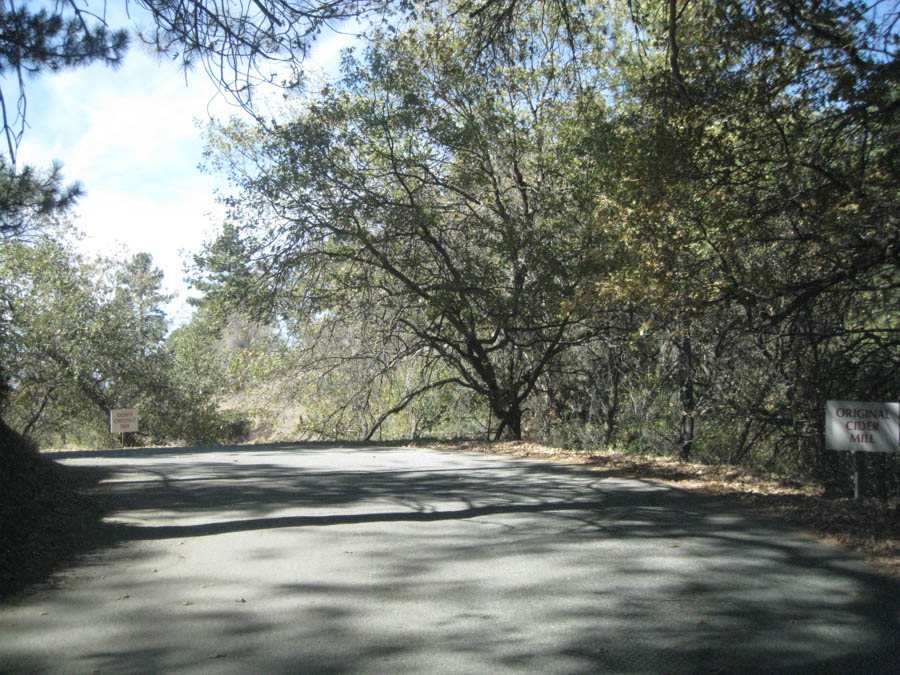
[{"x": 431, "y": 197}]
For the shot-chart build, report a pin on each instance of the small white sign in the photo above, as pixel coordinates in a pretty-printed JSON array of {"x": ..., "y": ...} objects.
[
  {"x": 862, "y": 426},
  {"x": 124, "y": 420}
]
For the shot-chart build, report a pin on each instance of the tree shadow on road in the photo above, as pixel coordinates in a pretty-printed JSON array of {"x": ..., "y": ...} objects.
[{"x": 617, "y": 575}]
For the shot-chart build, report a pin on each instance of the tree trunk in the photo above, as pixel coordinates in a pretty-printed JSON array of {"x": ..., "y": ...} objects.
[
  {"x": 510, "y": 416},
  {"x": 612, "y": 409},
  {"x": 686, "y": 383}
]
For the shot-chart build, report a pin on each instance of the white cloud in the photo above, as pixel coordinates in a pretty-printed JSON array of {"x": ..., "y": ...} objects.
[
  {"x": 136, "y": 124},
  {"x": 147, "y": 130},
  {"x": 122, "y": 224},
  {"x": 130, "y": 136},
  {"x": 325, "y": 56}
]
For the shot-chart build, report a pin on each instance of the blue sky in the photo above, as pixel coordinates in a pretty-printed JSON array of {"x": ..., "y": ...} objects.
[{"x": 133, "y": 137}]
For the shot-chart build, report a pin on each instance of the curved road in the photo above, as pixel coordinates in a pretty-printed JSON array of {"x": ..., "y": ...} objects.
[{"x": 391, "y": 560}]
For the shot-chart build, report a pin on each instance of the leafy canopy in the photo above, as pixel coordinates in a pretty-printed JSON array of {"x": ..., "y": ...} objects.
[{"x": 433, "y": 196}]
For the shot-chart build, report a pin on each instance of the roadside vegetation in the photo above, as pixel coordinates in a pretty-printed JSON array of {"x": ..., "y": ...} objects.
[
  {"x": 626, "y": 226},
  {"x": 628, "y": 229}
]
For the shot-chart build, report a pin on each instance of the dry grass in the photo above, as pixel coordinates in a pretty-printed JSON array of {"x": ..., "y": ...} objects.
[{"x": 869, "y": 528}]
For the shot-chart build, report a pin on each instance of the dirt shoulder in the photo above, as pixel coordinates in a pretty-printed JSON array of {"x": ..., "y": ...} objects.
[
  {"x": 46, "y": 520},
  {"x": 869, "y": 528}
]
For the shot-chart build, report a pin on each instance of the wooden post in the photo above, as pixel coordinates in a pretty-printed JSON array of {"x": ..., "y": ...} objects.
[{"x": 859, "y": 476}]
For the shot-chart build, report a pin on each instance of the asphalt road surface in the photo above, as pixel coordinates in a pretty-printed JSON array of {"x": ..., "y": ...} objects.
[{"x": 390, "y": 560}]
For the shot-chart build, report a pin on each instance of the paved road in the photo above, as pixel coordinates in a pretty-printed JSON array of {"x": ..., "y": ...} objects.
[{"x": 313, "y": 559}]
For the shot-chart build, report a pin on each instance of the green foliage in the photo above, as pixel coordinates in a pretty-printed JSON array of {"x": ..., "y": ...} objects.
[
  {"x": 759, "y": 189},
  {"x": 430, "y": 198},
  {"x": 28, "y": 198},
  {"x": 662, "y": 226},
  {"x": 82, "y": 338},
  {"x": 382, "y": 392},
  {"x": 669, "y": 226},
  {"x": 241, "y": 367},
  {"x": 31, "y": 41}
]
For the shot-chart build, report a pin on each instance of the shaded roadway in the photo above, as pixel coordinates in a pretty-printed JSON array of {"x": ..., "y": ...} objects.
[{"x": 322, "y": 559}]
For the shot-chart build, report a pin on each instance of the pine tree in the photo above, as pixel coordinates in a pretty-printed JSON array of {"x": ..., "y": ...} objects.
[{"x": 32, "y": 42}]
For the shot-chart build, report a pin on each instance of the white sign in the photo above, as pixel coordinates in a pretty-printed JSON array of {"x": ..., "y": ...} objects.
[
  {"x": 123, "y": 421},
  {"x": 862, "y": 426}
]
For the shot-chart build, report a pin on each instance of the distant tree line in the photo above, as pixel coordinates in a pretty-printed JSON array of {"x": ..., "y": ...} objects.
[{"x": 663, "y": 226}]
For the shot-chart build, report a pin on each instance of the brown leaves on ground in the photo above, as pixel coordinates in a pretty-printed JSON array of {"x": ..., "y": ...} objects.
[{"x": 870, "y": 528}]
